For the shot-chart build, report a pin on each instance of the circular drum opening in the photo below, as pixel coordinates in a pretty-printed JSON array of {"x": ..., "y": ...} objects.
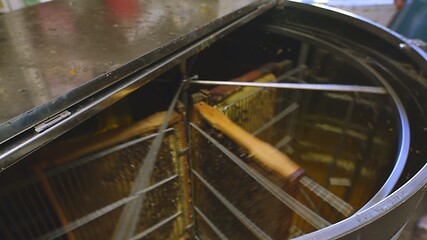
[
  {"x": 302, "y": 123},
  {"x": 380, "y": 58},
  {"x": 339, "y": 110}
]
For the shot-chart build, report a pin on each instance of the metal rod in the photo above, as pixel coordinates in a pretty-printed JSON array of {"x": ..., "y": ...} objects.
[
  {"x": 13, "y": 219},
  {"x": 63, "y": 195},
  {"x": 210, "y": 223},
  {"x": 276, "y": 118},
  {"x": 29, "y": 221},
  {"x": 39, "y": 216},
  {"x": 18, "y": 185},
  {"x": 252, "y": 227},
  {"x": 6, "y": 230},
  {"x": 102, "y": 211},
  {"x": 102, "y": 153},
  {"x": 283, "y": 142},
  {"x": 299, "y": 69},
  {"x": 129, "y": 218},
  {"x": 295, "y": 232},
  {"x": 156, "y": 226},
  {"x": 330, "y": 198},
  {"x": 188, "y": 211},
  {"x": 72, "y": 186},
  {"x": 52, "y": 196},
  {"x": 45, "y": 207},
  {"x": 18, "y": 211},
  {"x": 308, "y": 215},
  {"x": 308, "y": 199},
  {"x": 78, "y": 183},
  {"x": 191, "y": 165},
  {"x": 301, "y": 86},
  {"x": 85, "y": 181},
  {"x": 91, "y": 158},
  {"x": 304, "y": 50},
  {"x": 368, "y": 70}
]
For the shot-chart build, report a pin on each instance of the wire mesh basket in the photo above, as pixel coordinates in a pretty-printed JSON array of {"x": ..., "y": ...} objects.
[
  {"x": 269, "y": 205},
  {"x": 81, "y": 194},
  {"x": 143, "y": 181}
]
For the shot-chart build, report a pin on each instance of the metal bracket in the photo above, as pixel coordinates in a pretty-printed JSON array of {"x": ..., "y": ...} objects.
[
  {"x": 187, "y": 82},
  {"x": 52, "y": 121},
  {"x": 419, "y": 43}
]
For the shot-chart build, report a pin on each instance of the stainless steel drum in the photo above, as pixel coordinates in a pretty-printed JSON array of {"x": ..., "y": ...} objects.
[{"x": 208, "y": 120}]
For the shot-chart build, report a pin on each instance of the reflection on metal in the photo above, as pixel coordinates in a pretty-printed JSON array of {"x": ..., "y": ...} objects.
[{"x": 300, "y": 86}]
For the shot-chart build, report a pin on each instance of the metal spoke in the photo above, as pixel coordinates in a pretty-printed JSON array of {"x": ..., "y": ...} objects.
[
  {"x": 308, "y": 215},
  {"x": 238, "y": 214},
  {"x": 300, "y": 86},
  {"x": 276, "y": 118},
  {"x": 156, "y": 226},
  {"x": 102, "y": 211},
  {"x": 128, "y": 220},
  {"x": 330, "y": 198},
  {"x": 210, "y": 223}
]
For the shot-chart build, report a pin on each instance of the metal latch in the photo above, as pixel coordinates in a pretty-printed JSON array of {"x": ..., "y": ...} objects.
[
  {"x": 419, "y": 43},
  {"x": 52, "y": 121},
  {"x": 416, "y": 42}
]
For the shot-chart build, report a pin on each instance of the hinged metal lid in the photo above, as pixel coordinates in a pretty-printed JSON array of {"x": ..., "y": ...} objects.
[{"x": 58, "y": 53}]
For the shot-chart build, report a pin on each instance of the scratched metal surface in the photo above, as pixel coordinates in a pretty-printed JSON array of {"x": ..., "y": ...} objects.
[{"x": 57, "y": 53}]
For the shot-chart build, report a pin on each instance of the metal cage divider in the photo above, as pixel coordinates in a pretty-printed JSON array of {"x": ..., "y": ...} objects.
[
  {"x": 70, "y": 170},
  {"x": 321, "y": 192},
  {"x": 313, "y": 218},
  {"x": 233, "y": 209}
]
